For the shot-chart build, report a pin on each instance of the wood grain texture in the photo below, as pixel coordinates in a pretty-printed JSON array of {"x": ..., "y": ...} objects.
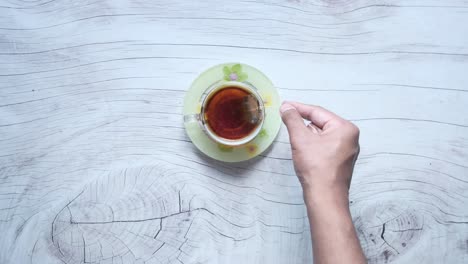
[{"x": 95, "y": 166}]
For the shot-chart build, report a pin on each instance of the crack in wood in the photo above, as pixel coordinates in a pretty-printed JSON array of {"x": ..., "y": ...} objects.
[
  {"x": 56, "y": 216},
  {"x": 33, "y": 250},
  {"x": 139, "y": 220},
  {"x": 160, "y": 228},
  {"x": 405, "y": 230},
  {"x": 84, "y": 249},
  {"x": 164, "y": 243},
  {"x": 383, "y": 238},
  {"x": 180, "y": 206}
]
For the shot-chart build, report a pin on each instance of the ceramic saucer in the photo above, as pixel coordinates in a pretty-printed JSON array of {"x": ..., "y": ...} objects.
[{"x": 217, "y": 75}]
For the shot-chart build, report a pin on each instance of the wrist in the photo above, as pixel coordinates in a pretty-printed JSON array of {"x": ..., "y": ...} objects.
[
  {"x": 326, "y": 182},
  {"x": 330, "y": 195},
  {"x": 329, "y": 198}
]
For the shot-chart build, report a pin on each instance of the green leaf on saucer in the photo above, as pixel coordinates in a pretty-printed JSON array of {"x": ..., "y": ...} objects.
[
  {"x": 226, "y": 70},
  {"x": 237, "y": 68},
  {"x": 242, "y": 77}
]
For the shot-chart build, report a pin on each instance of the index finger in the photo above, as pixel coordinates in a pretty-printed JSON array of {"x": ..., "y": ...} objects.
[{"x": 319, "y": 116}]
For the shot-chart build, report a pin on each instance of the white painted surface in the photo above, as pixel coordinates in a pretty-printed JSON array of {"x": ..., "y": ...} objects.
[{"x": 95, "y": 166}]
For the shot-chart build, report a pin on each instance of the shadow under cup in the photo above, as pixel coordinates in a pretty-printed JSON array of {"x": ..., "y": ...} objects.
[{"x": 232, "y": 113}]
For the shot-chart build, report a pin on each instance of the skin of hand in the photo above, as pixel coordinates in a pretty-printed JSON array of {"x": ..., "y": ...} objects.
[
  {"x": 328, "y": 144},
  {"x": 324, "y": 153}
]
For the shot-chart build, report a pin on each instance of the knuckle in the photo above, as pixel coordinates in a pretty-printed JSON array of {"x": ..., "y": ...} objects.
[
  {"x": 342, "y": 124},
  {"x": 357, "y": 150},
  {"x": 353, "y": 130}
]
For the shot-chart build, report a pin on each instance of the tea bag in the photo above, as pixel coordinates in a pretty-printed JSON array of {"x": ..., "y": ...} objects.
[{"x": 252, "y": 111}]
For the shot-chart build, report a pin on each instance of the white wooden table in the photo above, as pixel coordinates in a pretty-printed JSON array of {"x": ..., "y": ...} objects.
[{"x": 95, "y": 166}]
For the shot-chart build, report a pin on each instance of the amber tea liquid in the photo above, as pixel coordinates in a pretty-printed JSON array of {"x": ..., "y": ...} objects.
[{"x": 229, "y": 113}]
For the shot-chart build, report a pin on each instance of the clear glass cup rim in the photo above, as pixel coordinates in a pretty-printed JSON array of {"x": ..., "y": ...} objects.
[{"x": 232, "y": 142}]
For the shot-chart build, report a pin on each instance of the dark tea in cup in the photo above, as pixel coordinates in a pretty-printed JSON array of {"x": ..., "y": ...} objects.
[{"x": 233, "y": 113}]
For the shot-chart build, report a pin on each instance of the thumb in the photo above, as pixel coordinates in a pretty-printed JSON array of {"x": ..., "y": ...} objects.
[{"x": 294, "y": 122}]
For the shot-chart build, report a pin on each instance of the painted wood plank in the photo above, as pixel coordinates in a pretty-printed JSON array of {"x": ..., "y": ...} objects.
[{"x": 95, "y": 166}]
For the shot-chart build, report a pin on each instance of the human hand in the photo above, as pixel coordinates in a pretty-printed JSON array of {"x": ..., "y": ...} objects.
[{"x": 325, "y": 151}]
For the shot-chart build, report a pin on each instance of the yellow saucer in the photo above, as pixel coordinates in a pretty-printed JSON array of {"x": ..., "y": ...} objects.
[{"x": 241, "y": 73}]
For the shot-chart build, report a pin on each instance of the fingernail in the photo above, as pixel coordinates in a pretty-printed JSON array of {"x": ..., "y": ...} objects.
[{"x": 285, "y": 107}]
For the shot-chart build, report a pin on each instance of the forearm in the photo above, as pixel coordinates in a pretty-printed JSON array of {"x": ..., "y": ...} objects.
[
  {"x": 334, "y": 238},
  {"x": 324, "y": 153}
]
